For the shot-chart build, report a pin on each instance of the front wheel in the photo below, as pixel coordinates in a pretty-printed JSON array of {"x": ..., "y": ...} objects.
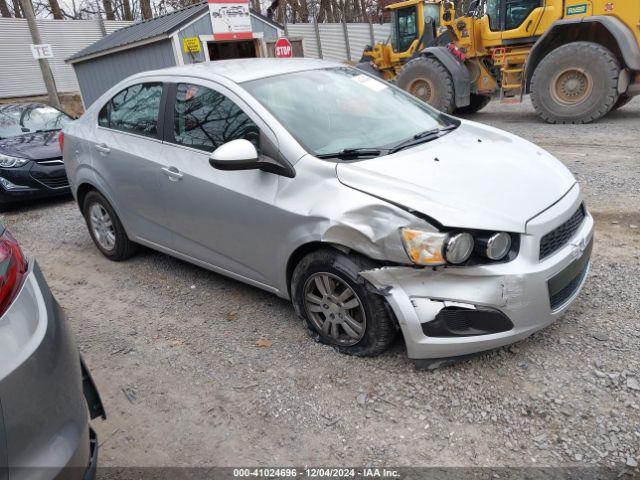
[
  {"x": 338, "y": 306},
  {"x": 575, "y": 83},
  {"x": 427, "y": 79}
]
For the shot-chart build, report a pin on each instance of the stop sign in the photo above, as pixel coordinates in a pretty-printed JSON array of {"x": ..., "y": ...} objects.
[{"x": 283, "y": 48}]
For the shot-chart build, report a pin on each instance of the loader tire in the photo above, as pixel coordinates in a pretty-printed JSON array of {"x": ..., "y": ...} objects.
[
  {"x": 427, "y": 79},
  {"x": 478, "y": 102},
  {"x": 575, "y": 83}
]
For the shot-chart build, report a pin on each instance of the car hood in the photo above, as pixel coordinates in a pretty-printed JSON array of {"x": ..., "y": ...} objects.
[
  {"x": 34, "y": 146},
  {"x": 475, "y": 177}
]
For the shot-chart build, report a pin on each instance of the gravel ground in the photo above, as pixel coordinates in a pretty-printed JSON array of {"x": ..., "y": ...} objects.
[{"x": 173, "y": 350}]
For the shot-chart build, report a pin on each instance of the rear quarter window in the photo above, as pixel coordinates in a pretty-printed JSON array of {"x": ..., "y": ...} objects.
[{"x": 134, "y": 109}]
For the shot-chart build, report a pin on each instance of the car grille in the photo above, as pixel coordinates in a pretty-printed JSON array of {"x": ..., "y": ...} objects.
[
  {"x": 50, "y": 161},
  {"x": 560, "y": 297},
  {"x": 556, "y": 239},
  {"x": 56, "y": 182}
]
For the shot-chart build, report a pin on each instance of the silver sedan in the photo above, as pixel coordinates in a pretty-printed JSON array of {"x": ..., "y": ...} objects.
[{"x": 372, "y": 212}]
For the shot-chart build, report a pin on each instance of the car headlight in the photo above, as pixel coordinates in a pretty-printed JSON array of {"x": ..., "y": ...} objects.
[
  {"x": 456, "y": 247},
  {"x": 424, "y": 248},
  {"x": 8, "y": 161},
  {"x": 496, "y": 247}
]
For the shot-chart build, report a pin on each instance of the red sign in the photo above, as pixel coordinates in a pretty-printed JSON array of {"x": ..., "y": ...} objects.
[{"x": 283, "y": 48}]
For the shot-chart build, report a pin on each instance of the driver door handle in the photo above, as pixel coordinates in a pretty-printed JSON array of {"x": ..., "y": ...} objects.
[
  {"x": 102, "y": 148},
  {"x": 173, "y": 173}
]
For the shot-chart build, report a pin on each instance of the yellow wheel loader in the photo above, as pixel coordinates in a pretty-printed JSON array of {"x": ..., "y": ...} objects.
[{"x": 578, "y": 59}]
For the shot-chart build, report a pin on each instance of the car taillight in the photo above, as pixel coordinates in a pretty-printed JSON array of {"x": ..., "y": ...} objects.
[
  {"x": 13, "y": 266},
  {"x": 61, "y": 141}
]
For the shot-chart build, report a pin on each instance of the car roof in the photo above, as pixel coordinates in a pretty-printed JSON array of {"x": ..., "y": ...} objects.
[{"x": 245, "y": 69}]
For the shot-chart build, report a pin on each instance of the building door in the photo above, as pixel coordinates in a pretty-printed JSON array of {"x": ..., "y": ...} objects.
[{"x": 236, "y": 49}]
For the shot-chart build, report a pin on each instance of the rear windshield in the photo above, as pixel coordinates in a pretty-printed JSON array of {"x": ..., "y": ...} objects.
[{"x": 332, "y": 109}]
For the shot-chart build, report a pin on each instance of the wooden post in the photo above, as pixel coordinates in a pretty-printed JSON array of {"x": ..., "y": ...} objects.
[
  {"x": 47, "y": 75},
  {"x": 317, "y": 30},
  {"x": 345, "y": 31}
]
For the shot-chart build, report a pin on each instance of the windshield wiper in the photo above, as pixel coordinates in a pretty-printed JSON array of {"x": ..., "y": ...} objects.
[
  {"x": 349, "y": 153},
  {"x": 422, "y": 137}
]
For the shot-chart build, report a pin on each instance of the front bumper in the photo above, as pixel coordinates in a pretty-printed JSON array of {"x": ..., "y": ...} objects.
[
  {"x": 33, "y": 180},
  {"x": 46, "y": 421},
  {"x": 518, "y": 289}
]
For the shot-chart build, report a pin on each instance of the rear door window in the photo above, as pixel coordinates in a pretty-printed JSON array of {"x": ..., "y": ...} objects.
[
  {"x": 205, "y": 119},
  {"x": 134, "y": 110}
]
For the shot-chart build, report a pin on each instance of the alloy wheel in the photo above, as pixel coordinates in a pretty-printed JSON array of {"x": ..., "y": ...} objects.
[
  {"x": 102, "y": 227},
  {"x": 335, "y": 309}
]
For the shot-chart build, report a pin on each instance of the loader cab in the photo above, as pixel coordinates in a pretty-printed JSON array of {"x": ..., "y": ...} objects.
[
  {"x": 505, "y": 22},
  {"x": 505, "y": 15},
  {"x": 413, "y": 23},
  {"x": 404, "y": 28}
]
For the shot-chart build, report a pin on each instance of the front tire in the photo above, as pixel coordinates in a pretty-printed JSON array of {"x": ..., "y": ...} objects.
[
  {"x": 105, "y": 228},
  {"x": 427, "y": 79},
  {"x": 575, "y": 83},
  {"x": 338, "y": 306}
]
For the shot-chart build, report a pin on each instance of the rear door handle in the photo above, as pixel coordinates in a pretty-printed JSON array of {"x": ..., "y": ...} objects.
[
  {"x": 102, "y": 148},
  {"x": 173, "y": 173}
]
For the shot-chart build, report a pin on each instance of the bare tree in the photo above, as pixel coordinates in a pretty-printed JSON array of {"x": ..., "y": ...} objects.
[
  {"x": 4, "y": 9},
  {"x": 56, "y": 12},
  {"x": 145, "y": 9},
  {"x": 16, "y": 9},
  {"x": 108, "y": 9},
  {"x": 126, "y": 10}
]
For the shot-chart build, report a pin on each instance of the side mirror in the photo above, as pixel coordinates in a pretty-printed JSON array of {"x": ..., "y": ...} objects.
[
  {"x": 240, "y": 154},
  {"x": 237, "y": 154}
]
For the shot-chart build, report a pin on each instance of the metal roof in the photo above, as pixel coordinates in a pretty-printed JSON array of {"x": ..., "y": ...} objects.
[{"x": 149, "y": 30}]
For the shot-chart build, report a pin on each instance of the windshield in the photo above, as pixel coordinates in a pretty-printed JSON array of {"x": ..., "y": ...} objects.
[
  {"x": 20, "y": 119},
  {"x": 341, "y": 108}
]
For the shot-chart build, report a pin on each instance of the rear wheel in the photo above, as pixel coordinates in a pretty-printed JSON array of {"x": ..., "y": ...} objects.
[
  {"x": 337, "y": 305},
  {"x": 478, "y": 102},
  {"x": 105, "y": 228},
  {"x": 575, "y": 83},
  {"x": 427, "y": 79}
]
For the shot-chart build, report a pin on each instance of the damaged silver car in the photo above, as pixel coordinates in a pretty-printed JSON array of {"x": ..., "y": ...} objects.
[{"x": 368, "y": 209}]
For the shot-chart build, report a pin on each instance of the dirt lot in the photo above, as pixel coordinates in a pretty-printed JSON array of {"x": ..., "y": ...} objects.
[{"x": 173, "y": 350}]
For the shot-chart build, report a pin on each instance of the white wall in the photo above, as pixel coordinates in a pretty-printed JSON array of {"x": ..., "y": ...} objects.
[
  {"x": 19, "y": 71},
  {"x": 332, "y": 39}
]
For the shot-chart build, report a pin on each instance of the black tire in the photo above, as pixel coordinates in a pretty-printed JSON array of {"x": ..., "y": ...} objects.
[
  {"x": 123, "y": 247},
  {"x": 427, "y": 79},
  {"x": 591, "y": 69},
  {"x": 478, "y": 102},
  {"x": 380, "y": 329},
  {"x": 622, "y": 101}
]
